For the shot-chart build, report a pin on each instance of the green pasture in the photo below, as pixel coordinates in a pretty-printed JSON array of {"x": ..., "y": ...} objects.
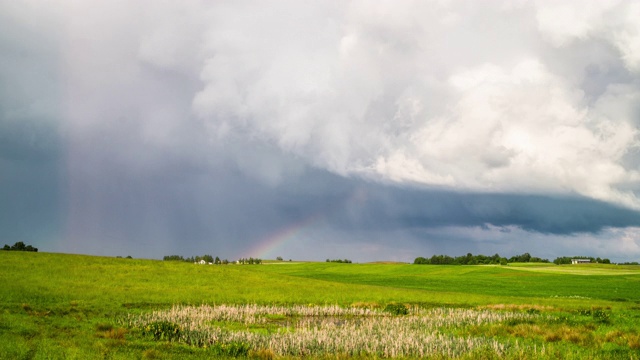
[
  {"x": 55, "y": 306},
  {"x": 475, "y": 285}
]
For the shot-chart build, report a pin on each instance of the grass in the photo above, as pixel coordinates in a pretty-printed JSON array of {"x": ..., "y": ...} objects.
[
  {"x": 68, "y": 306},
  {"x": 481, "y": 284}
]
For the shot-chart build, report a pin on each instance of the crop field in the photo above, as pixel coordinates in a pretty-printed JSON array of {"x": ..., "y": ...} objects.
[{"x": 59, "y": 306}]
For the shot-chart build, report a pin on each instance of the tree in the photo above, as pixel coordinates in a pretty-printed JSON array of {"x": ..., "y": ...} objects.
[
  {"x": 20, "y": 246},
  {"x": 526, "y": 257},
  {"x": 340, "y": 261},
  {"x": 279, "y": 258},
  {"x": 419, "y": 260},
  {"x": 562, "y": 260}
]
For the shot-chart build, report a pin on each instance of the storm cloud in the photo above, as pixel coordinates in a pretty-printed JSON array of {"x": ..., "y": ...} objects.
[{"x": 321, "y": 129}]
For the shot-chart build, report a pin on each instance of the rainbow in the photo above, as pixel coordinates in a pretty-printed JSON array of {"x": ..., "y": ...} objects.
[
  {"x": 276, "y": 240},
  {"x": 266, "y": 248}
]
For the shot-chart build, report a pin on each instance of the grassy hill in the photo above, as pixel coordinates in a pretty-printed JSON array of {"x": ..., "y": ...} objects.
[{"x": 68, "y": 306}]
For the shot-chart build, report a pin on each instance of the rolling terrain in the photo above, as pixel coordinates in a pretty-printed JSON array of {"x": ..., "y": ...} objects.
[{"x": 73, "y": 306}]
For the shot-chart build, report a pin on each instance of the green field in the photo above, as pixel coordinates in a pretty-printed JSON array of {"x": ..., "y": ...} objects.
[{"x": 56, "y": 306}]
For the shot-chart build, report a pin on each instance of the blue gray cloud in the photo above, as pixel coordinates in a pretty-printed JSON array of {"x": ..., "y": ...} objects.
[{"x": 373, "y": 130}]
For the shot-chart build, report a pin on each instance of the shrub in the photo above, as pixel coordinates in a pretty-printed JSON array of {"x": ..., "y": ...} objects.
[
  {"x": 601, "y": 316},
  {"x": 116, "y": 334},
  {"x": 151, "y": 354},
  {"x": 104, "y": 327},
  {"x": 162, "y": 330},
  {"x": 552, "y": 337},
  {"x": 263, "y": 354},
  {"x": 233, "y": 349},
  {"x": 396, "y": 309}
]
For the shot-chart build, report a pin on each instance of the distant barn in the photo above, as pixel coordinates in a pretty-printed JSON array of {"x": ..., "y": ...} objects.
[{"x": 580, "y": 261}]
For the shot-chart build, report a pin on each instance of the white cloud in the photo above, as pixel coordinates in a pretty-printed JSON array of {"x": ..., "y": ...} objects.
[
  {"x": 627, "y": 38},
  {"x": 565, "y": 21},
  {"x": 613, "y": 21},
  {"x": 405, "y": 93},
  {"x": 526, "y": 129}
]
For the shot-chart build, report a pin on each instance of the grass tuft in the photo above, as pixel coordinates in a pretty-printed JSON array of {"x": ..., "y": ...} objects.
[
  {"x": 365, "y": 305},
  {"x": 552, "y": 337},
  {"x": 116, "y": 334},
  {"x": 263, "y": 354},
  {"x": 103, "y": 327},
  {"x": 151, "y": 354}
]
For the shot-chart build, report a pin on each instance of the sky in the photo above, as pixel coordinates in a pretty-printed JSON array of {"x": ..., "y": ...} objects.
[{"x": 366, "y": 130}]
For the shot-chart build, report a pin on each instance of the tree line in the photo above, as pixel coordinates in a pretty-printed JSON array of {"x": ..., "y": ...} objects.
[
  {"x": 20, "y": 246},
  {"x": 567, "y": 260},
  {"x": 471, "y": 259},
  {"x": 345, "y": 261},
  {"x": 211, "y": 260}
]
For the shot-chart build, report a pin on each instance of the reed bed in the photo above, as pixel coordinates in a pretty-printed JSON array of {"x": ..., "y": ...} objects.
[{"x": 323, "y": 330}]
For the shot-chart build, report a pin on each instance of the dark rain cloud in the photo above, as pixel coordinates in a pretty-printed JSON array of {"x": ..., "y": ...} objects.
[
  {"x": 128, "y": 129},
  {"x": 390, "y": 207}
]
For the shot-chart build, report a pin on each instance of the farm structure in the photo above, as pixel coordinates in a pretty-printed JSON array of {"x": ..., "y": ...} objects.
[{"x": 580, "y": 261}]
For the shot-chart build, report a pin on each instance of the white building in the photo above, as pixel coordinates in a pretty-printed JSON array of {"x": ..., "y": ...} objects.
[{"x": 580, "y": 261}]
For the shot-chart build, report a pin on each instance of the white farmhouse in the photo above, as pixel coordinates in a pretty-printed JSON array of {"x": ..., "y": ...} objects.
[{"x": 580, "y": 261}]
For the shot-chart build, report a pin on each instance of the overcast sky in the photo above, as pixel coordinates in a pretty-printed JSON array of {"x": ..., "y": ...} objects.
[{"x": 368, "y": 130}]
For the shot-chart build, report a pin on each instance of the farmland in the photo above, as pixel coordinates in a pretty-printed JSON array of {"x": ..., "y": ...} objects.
[{"x": 85, "y": 307}]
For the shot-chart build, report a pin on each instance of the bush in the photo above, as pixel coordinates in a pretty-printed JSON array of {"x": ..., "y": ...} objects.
[
  {"x": 152, "y": 354},
  {"x": 162, "y": 330},
  {"x": 232, "y": 349},
  {"x": 396, "y": 309},
  {"x": 104, "y": 327},
  {"x": 601, "y": 316},
  {"x": 263, "y": 354}
]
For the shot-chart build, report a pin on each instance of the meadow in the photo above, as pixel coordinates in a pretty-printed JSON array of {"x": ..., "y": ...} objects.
[{"x": 60, "y": 306}]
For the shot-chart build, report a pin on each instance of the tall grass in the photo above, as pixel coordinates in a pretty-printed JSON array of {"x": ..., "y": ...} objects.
[{"x": 324, "y": 330}]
